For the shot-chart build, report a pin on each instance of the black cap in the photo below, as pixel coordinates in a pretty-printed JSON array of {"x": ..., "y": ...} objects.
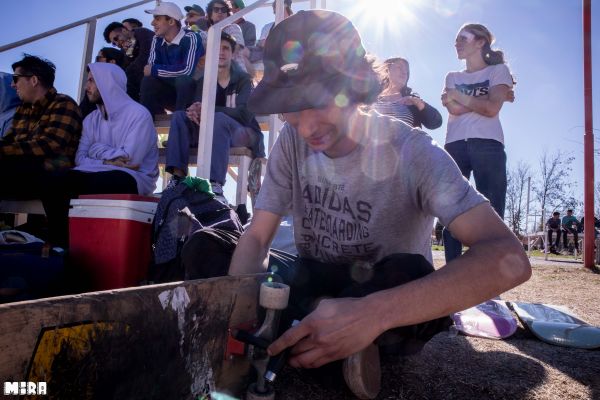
[
  {"x": 311, "y": 59},
  {"x": 195, "y": 7}
]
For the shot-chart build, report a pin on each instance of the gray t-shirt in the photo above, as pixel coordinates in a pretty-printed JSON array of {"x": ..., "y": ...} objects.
[{"x": 378, "y": 200}]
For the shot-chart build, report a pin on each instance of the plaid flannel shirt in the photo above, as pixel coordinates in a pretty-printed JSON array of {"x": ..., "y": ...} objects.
[{"x": 49, "y": 128}]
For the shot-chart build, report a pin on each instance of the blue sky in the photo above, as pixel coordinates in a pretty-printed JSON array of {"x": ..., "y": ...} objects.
[{"x": 542, "y": 40}]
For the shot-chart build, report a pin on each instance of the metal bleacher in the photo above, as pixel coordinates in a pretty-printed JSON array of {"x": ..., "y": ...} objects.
[{"x": 240, "y": 158}]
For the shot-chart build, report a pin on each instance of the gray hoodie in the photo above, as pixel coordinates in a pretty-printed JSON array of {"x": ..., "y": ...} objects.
[{"x": 124, "y": 130}]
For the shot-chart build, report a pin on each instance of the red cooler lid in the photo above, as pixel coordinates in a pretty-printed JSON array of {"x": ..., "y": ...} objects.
[{"x": 130, "y": 197}]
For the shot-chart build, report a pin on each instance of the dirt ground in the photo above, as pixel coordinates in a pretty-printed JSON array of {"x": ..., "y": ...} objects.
[{"x": 461, "y": 367}]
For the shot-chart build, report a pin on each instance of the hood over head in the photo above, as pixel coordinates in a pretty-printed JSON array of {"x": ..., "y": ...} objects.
[{"x": 112, "y": 84}]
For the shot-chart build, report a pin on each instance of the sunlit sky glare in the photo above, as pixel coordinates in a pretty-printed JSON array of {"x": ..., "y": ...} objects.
[{"x": 542, "y": 40}]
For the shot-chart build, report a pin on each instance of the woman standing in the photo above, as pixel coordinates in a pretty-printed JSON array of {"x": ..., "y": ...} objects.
[
  {"x": 474, "y": 138},
  {"x": 399, "y": 101}
]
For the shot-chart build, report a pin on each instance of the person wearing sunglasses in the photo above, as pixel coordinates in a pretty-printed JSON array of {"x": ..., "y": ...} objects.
[
  {"x": 218, "y": 10},
  {"x": 135, "y": 44},
  {"x": 195, "y": 18},
  {"x": 9, "y": 101},
  {"x": 44, "y": 134}
]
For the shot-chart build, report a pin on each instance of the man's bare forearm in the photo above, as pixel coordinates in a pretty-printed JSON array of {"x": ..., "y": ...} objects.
[
  {"x": 249, "y": 257},
  {"x": 486, "y": 270}
]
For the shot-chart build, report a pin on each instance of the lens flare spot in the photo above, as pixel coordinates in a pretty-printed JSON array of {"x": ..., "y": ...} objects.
[
  {"x": 292, "y": 51},
  {"x": 341, "y": 100}
]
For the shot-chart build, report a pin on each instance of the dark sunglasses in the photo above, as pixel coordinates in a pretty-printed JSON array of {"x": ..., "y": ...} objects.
[
  {"x": 100, "y": 58},
  {"x": 220, "y": 10},
  {"x": 15, "y": 77}
]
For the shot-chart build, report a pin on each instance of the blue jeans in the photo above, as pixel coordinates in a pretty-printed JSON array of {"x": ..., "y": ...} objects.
[
  {"x": 487, "y": 160},
  {"x": 156, "y": 94},
  {"x": 227, "y": 132}
]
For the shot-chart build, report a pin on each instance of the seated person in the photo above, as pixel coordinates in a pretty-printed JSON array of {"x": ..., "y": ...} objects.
[
  {"x": 553, "y": 225},
  {"x": 217, "y": 11},
  {"x": 168, "y": 81},
  {"x": 105, "y": 54},
  {"x": 132, "y": 23},
  {"x": 195, "y": 18},
  {"x": 9, "y": 101},
  {"x": 136, "y": 45},
  {"x": 234, "y": 125},
  {"x": 570, "y": 225},
  {"x": 117, "y": 153},
  {"x": 44, "y": 134},
  {"x": 353, "y": 181},
  {"x": 264, "y": 32},
  {"x": 596, "y": 226},
  {"x": 248, "y": 28}
]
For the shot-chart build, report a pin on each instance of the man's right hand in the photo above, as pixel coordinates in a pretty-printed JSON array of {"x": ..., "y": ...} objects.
[{"x": 336, "y": 329}]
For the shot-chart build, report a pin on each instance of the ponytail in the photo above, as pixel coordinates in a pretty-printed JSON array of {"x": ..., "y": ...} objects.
[{"x": 492, "y": 57}]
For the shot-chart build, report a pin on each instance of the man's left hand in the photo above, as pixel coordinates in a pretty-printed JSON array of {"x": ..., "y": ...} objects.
[
  {"x": 336, "y": 329},
  {"x": 123, "y": 163},
  {"x": 147, "y": 70}
]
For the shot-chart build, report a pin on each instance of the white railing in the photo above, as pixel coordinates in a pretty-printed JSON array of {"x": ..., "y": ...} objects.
[
  {"x": 210, "y": 82},
  {"x": 90, "y": 33}
]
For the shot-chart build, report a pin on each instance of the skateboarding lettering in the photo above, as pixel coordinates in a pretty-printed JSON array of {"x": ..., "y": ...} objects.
[
  {"x": 474, "y": 89},
  {"x": 335, "y": 227}
]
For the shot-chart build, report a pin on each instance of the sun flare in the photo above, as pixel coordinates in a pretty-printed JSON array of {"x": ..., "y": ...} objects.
[{"x": 385, "y": 16}]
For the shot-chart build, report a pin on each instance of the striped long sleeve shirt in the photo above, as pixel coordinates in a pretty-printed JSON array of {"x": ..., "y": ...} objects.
[
  {"x": 178, "y": 58},
  {"x": 49, "y": 128}
]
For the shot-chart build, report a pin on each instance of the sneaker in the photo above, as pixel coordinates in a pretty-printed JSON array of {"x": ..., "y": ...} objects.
[
  {"x": 217, "y": 189},
  {"x": 362, "y": 372}
]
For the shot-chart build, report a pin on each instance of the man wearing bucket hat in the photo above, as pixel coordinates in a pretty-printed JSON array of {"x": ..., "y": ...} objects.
[
  {"x": 353, "y": 181},
  {"x": 174, "y": 53}
]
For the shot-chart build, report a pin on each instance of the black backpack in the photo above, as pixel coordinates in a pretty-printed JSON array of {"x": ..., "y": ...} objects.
[{"x": 181, "y": 211}]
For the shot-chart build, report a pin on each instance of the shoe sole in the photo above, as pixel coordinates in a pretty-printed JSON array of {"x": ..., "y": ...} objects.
[{"x": 362, "y": 372}]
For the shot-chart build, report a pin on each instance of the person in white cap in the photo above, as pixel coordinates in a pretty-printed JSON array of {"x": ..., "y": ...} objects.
[
  {"x": 353, "y": 181},
  {"x": 168, "y": 81}
]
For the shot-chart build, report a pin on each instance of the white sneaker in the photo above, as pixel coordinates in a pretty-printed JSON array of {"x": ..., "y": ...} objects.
[{"x": 362, "y": 372}]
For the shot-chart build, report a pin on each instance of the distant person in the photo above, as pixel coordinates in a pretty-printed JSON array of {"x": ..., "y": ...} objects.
[
  {"x": 553, "y": 226},
  {"x": 168, "y": 81},
  {"x": 570, "y": 225},
  {"x": 195, "y": 18},
  {"x": 256, "y": 52},
  {"x": 9, "y": 101},
  {"x": 474, "y": 137},
  {"x": 44, "y": 134},
  {"x": 399, "y": 101},
  {"x": 596, "y": 226},
  {"x": 135, "y": 44},
  {"x": 132, "y": 23},
  {"x": 117, "y": 154},
  {"x": 109, "y": 55},
  {"x": 264, "y": 32},
  {"x": 112, "y": 56},
  {"x": 217, "y": 11},
  {"x": 248, "y": 28},
  {"x": 234, "y": 125}
]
